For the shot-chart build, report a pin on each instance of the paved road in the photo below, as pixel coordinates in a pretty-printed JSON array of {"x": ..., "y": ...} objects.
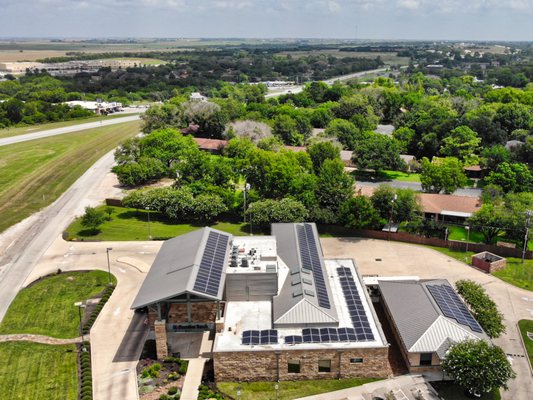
[
  {"x": 404, "y": 259},
  {"x": 297, "y": 89},
  {"x": 416, "y": 186},
  {"x": 18, "y": 257},
  {"x": 66, "y": 129}
]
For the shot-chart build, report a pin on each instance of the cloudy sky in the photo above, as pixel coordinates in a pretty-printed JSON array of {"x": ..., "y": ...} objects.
[{"x": 364, "y": 19}]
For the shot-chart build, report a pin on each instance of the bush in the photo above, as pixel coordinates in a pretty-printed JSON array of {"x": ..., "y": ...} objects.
[
  {"x": 172, "y": 390},
  {"x": 483, "y": 307},
  {"x": 184, "y": 364},
  {"x": 164, "y": 397}
]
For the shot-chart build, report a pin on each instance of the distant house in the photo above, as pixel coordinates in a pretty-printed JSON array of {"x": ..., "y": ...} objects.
[
  {"x": 427, "y": 317},
  {"x": 441, "y": 207},
  {"x": 346, "y": 157},
  {"x": 196, "y": 96},
  {"x": 386, "y": 130},
  {"x": 214, "y": 146},
  {"x": 410, "y": 161},
  {"x": 475, "y": 172},
  {"x": 512, "y": 144}
]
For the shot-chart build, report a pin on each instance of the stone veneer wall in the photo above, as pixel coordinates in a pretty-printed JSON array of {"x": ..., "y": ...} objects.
[
  {"x": 160, "y": 328},
  {"x": 262, "y": 365},
  {"x": 200, "y": 313}
]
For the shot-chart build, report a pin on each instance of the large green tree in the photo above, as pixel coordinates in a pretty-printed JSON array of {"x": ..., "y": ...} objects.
[
  {"x": 514, "y": 177},
  {"x": 445, "y": 174},
  {"x": 461, "y": 142},
  {"x": 377, "y": 152},
  {"x": 334, "y": 186},
  {"x": 478, "y": 366},
  {"x": 358, "y": 212},
  {"x": 322, "y": 151}
]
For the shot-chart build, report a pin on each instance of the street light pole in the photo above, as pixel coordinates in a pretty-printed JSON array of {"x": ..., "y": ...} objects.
[
  {"x": 467, "y": 240},
  {"x": 529, "y": 213},
  {"x": 149, "y": 229},
  {"x": 80, "y": 305},
  {"x": 390, "y": 216},
  {"x": 108, "y": 265}
]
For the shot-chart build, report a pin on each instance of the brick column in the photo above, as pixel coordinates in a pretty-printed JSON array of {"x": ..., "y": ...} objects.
[{"x": 160, "y": 328}]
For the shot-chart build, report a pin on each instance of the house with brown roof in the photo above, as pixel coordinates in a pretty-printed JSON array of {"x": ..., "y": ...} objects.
[{"x": 449, "y": 207}]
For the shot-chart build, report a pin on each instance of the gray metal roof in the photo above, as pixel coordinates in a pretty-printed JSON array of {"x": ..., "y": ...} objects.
[
  {"x": 174, "y": 270},
  {"x": 419, "y": 320},
  {"x": 297, "y": 302}
]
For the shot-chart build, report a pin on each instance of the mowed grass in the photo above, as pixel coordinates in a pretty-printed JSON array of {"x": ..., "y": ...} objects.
[
  {"x": 132, "y": 224},
  {"x": 47, "y": 307},
  {"x": 526, "y": 325},
  {"x": 38, "y": 371},
  {"x": 22, "y": 130},
  {"x": 515, "y": 273},
  {"x": 460, "y": 233},
  {"x": 288, "y": 390},
  {"x": 33, "y": 174},
  {"x": 400, "y": 176}
]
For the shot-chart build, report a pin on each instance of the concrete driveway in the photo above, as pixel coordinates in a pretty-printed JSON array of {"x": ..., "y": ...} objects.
[
  {"x": 405, "y": 259},
  {"x": 118, "y": 333}
]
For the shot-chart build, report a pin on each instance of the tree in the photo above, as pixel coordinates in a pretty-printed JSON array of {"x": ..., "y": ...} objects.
[
  {"x": 442, "y": 174},
  {"x": 490, "y": 220},
  {"x": 253, "y": 130},
  {"x": 322, "y": 151},
  {"x": 478, "y": 366},
  {"x": 286, "y": 129},
  {"x": 168, "y": 115},
  {"x": 404, "y": 139},
  {"x": 377, "y": 152},
  {"x": 206, "y": 207},
  {"x": 494, "y": 156},
  {"x": 265, "y": 212},
  {"x": 334, "y": 186},
  {"x": 402, "y": 208},
  {"x": 345, "y": 132},
  {"x": 461, "y": 142},
  {"x": 359, "y": 213},
  {"x": 515, "y": 177},
  {"x": 92, "y": 219}
]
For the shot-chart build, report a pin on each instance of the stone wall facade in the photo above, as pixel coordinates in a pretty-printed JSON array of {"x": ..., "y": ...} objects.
[
  {"x": 488, "y": 262},
  {"x": 160, "y": 329},
  {"x": 200, "y": 313},
  {"x": 271, "y": 365}
]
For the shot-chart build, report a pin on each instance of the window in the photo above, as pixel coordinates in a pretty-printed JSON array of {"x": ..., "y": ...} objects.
[
  {"x": 356, "y": 360},
  {"x": 425, "y": 358},
  {"x": 293, "y": 367},
  {"x": 324, "y": 365}
]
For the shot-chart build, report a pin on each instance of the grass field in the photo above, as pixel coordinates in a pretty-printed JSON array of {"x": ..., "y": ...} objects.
[
  {"x": 131, "y": 224},
  {"x": 516, "y": 273},
  {"x": 33, "y": 174},
  {"x": 385, "y": 176},
  {"x": 38, "y": 372},
  {"x": 460, "y": 233},
  {"x": 288, "y": 390},
  {"x": 22, "y": 130},
  {"x": 47, "y": 308},
  {"x": 526, "y": 325}
]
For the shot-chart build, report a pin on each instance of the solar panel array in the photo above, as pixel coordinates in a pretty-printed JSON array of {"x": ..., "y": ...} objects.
[
  {"x": 212, "y": 264},
  {"x": 355, "y": 305},
  {"x": 326, "y": 335},
  {"x": 267, "y": 336},
  {"x": 452, "y": 306},
  {"x": 311, "y": 261}
]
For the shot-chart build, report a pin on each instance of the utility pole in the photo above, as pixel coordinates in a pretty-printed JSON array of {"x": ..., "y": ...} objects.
[{"x": 529, "y": 213}]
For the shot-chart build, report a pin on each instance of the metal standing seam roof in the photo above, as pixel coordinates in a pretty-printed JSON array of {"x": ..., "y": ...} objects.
[
  {"x": 419, "y": 320},
  {"x": 297, "y": 302},
  {"x": 176, "y": 266}
]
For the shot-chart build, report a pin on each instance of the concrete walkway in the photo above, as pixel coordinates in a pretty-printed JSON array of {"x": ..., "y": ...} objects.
[
  {"x": 404, "y": 387},
  {"x": 193, "y": 379},
  {"x": 23, "y": 337}
]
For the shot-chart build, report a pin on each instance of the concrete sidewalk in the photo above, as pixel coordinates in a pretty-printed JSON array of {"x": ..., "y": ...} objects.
[
  {"x": 193, "y": 379},
  {"x": 405, "y": 387}
]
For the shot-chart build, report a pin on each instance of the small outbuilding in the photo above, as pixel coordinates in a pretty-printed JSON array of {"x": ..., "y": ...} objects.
[{"x": 488, "y": 262}]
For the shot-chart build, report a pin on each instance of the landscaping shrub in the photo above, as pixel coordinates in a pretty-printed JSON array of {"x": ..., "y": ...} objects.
[
  {"x": 184, "y": 364},
  {"x": 483, "y": 307},
  {"x": 172, "y": 390},
  {"x": 164, "y": 397},
  {"x": 103, "y": 300},
  {"x": 152, "y": 371}
]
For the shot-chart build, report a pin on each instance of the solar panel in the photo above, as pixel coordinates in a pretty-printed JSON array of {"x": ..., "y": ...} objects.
[
  {"x": 311, "y": 261},
  {"x": 293, "y": 339},
  {"x": 452, "y": 306},
  {"x": 311, "y": 335},
  {"x": 355, "y": 305},
  {"x": 211, "y": 264},
  {"x": 268, "y": 336}
]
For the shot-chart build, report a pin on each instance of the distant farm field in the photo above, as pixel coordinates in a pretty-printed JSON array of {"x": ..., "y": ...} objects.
[
  {"x": 33, "y": 174},
  {"x": 387, "y": 57}
]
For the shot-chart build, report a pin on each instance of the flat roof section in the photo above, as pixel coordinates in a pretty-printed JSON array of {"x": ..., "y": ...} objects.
[{"x": 241, "y": 316}]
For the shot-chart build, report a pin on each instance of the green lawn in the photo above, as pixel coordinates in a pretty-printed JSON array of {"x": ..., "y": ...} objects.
[
  {"x": 526, "y": 325},
  {"x": 400, "y": 176},
  {"x": 38, "y": 371},
  {"x": 132, "y": 224},
  {"x": 47, "y": 308},
  {"x": 516, "y": 273},
  {"x": 288, "y": 390},
  {"x": 22, "y": 130},
  {"x": 34, "y": 174},
  {"x": 460, "y": 233}
]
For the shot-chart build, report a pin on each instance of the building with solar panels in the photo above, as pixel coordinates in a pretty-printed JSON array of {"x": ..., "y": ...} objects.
[
  {"x": 280, "y": 311},
  {"x": 427, "y": 317}
]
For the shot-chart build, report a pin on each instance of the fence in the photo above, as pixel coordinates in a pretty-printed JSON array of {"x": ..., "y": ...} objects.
[{"x": 449, "y": 244}]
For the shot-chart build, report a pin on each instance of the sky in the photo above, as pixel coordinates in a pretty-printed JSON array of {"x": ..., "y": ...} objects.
[{"x": 346, "y": 19}]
